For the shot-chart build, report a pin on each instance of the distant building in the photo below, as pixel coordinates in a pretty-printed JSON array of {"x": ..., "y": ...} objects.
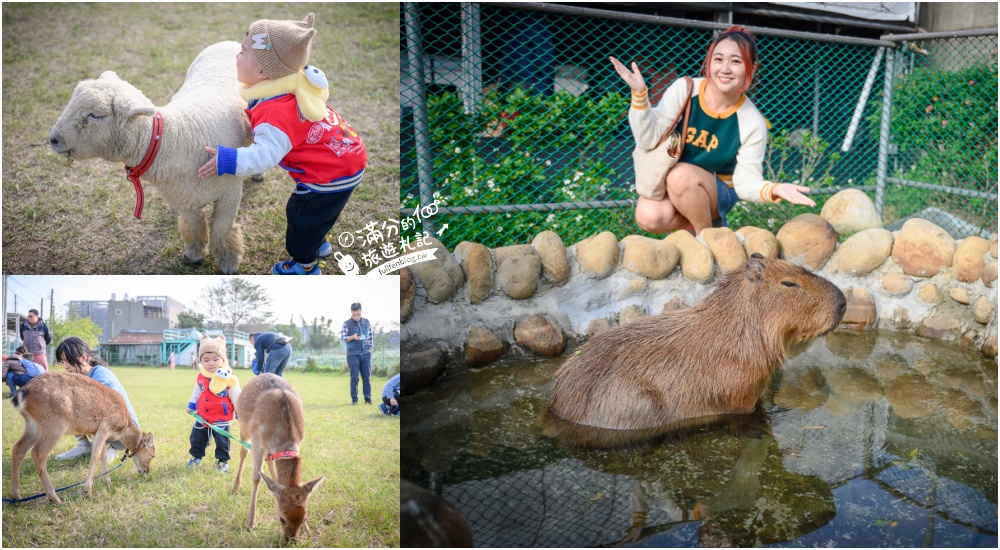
[{"x": 143, "y": 313}]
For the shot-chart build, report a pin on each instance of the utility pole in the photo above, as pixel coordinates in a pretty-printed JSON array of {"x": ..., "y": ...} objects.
[{"x": 52, "y": 304}]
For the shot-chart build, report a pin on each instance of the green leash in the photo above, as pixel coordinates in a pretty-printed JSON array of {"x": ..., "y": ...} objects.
[{"x": 219, "y": 430}]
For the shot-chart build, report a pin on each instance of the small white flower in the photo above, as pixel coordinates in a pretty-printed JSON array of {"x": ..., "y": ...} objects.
[
  {"x": 469, "y": 192},
  {"x": 548, "y": 163},
  {"x": 458, "y": 150}
]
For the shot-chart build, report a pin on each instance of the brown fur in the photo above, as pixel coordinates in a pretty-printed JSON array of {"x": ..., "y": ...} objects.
[
  {"x": 271, "y": 419},
  {"x": 57, "y": 403},
  {"x": 711, "y": 359}
]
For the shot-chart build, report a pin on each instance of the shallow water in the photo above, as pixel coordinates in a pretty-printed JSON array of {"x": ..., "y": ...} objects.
[{"x": 861, "y": 440}]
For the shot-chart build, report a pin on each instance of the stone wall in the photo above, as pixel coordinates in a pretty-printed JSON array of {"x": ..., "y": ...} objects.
[{"x": 472, "y": 306}]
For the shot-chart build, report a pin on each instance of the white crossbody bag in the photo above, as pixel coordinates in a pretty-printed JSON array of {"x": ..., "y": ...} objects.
[{"x": 651, "y": 166}]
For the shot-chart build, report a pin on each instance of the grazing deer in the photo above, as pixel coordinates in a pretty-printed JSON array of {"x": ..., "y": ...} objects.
[
  {"x": 57, "y": 403},
  {"x": 270, "y": 418}
]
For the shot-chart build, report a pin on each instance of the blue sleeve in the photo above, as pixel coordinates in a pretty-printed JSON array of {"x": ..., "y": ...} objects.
[
  {"x": 371, "y": 338},
  {"x": 226, "y": 163}
]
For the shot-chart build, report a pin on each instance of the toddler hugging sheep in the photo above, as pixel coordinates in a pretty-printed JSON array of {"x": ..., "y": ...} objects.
[{"x": 293, "y": 128}]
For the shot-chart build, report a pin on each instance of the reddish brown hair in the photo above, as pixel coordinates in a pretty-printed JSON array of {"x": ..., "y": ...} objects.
[{"x": 747, "y": 45}]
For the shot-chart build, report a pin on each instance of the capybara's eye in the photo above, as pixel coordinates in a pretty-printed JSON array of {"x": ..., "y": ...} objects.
[{"x": 790, "y": 284}]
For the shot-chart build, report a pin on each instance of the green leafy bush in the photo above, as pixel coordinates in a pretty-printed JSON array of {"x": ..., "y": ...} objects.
[
  {"x": 522, "y": 149},
  {"x": 945, "y": 123}
]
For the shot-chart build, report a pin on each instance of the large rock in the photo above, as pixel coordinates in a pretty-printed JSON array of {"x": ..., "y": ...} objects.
[
  {"x": 897, "y": 284},
  {"x": 551, "y": 249},
  {"x": 990, "y": 274},
  {"x": 407, "y": 292},
  {"x": 922, "y": 248},
  {"x": 631, "y": 314},
  {"x": 483, "y": 347},
  {"x": 929, "y": 294},
  {"x": 441, "y": 276},
  {"x": 862, "y": 252},
  {"x": 861, "y": 312},
  {"x": 759, "y": 241},
  {"x": 539, "y": 335},
  {"x": 968, "y": 263},
  {"x": 725, "y": 246},
  {"x": 807, "y": 240},
  {"x": 598, "y": 255},
  {"x": 518, "y": 269},
  {"x": 960, "y": 294},
  {"x": 651, "y": 258},
  {"x": 982, "y": 310},
  {"x": 420, "y": 364},
  {"x": 850, "y": 211},
  {"x": 941, "y": 327},
  {"x": 696, "y": 260},
  {"x": 476, "y": 263}
]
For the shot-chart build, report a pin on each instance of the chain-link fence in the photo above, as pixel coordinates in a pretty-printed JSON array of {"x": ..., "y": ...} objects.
[{"x": 514, "y": 121}]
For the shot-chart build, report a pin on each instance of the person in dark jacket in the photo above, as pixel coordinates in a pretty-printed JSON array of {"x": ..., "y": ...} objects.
[
  {"x": 18, "y": 371},
  {"x": 357, "y": 337},
  {"x": 35, "y": 335},
  {"x": 273, "y": 351}
]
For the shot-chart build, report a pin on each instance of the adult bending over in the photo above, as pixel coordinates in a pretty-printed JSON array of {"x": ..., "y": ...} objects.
[
  {"x": 74, "y": 354},
  {"x": 723, "y": 155}
]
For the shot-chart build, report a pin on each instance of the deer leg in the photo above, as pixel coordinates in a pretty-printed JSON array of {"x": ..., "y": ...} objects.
[
  {"x": 39, "y": 453},
  {"x": 97, "y": 451},
  {"x": 258, "y": 458},
  {"x": 239, "y": 471},
  {"x": 104, "y": 462},
  {"x": 28, "y": 440}
]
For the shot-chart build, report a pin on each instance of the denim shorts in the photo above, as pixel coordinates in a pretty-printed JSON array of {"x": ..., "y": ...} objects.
[{"x": 727, "y": 199}]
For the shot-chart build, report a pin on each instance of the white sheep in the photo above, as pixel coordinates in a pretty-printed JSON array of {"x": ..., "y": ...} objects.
[{"x": 111, "y": 119}]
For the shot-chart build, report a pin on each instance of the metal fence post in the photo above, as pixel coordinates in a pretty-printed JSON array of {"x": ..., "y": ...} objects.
[
  {"x": 472, "y": 64},
  {"x": 415, "y": 54},
  {"x": 884, "y": 132}
]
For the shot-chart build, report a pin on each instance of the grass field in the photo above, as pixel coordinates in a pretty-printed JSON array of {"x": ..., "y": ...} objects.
[
  {"x": 355, "y": 448},
  {"x": 77, "y": 219}
]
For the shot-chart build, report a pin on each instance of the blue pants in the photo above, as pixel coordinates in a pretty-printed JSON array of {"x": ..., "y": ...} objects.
[
  {"x": 310, "y": 216},
  {"x": 360, "y": 364},
  {"x": 15, "y": 381},
  {"x": 727, "y": 199},
  {"x": 277, "y": 359},
  {"x": 200, "y": 434}
]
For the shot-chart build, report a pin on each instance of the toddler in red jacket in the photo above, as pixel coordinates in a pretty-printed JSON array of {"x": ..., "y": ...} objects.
[
  {"x": 215, "y": 394},
  {"x": 294, "y": 128}
]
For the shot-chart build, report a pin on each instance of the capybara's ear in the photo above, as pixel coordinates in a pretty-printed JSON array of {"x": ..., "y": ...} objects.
[{"x": 755, "y": 268}]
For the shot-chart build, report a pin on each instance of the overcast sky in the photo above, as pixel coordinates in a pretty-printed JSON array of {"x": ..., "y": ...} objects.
[{"x": 329, "y": 296}]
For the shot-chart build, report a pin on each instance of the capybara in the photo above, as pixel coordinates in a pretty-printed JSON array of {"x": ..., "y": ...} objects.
[{"x": 711, "y": 359}]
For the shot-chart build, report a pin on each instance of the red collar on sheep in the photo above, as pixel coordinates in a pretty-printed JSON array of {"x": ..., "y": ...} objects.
[{"x": 151, "y": 152}]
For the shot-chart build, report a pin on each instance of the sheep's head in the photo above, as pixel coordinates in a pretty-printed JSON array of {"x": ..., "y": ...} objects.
[{"x": 101, "y": 120}]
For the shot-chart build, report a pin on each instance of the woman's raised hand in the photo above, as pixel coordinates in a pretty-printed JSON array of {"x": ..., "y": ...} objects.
[
  {"x": 792, "y": 193},
  {"x": 633, "y": 78}
]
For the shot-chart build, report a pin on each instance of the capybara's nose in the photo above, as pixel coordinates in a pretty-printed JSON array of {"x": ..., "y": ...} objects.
[{"x": 841, "y": 304}]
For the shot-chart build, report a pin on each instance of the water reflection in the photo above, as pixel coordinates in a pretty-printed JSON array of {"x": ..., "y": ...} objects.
[{"x": 861, "y": 440}]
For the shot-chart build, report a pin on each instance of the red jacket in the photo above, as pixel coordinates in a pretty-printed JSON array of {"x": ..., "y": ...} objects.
[
  {"x": 214, "y": 408},
  {"x": 326, "y": 156}
]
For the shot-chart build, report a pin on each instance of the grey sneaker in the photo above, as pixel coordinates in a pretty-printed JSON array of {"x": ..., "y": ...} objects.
[
  {"x": 223, "y": 467},
  {"x": 194, "y": 462},
  {"x": 83, "y": 448}
]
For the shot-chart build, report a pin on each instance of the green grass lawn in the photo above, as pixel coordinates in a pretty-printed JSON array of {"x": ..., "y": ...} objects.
[
  {"x": 77, "y": 219},
  {"x": 356, "y": 449}
]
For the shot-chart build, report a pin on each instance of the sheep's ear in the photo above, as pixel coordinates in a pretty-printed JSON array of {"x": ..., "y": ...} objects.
[
  {"x": 109, "y": 75},
  {"x": 140, "y": 110}
]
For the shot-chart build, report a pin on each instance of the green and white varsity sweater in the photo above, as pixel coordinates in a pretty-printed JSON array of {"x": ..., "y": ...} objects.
[{"x": 730, "y": 146}]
